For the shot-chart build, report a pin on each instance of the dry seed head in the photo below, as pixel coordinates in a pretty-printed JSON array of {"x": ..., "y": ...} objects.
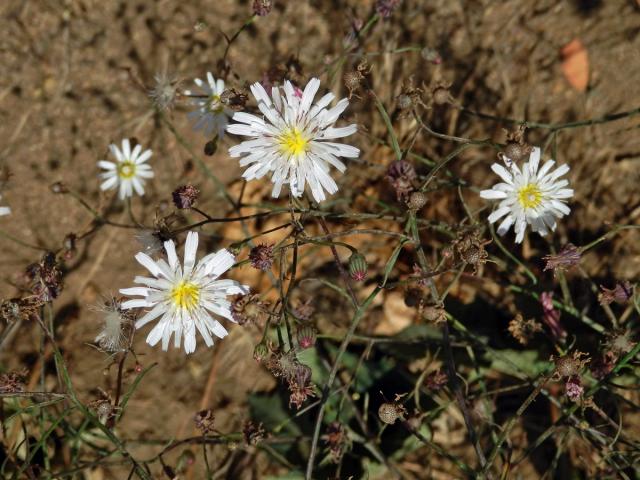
[
  {"x": 516, "y": 151},
  {"x": 261, "y": 257},
  {"x": 185, "y": 196},
  {"x": 417, "y": 200},
  {"x": 204, "y": 420},
  {"x": 570, "y": 365},
  {"x": 441, "y": 95},
  {"x": 389, "y": 412}
]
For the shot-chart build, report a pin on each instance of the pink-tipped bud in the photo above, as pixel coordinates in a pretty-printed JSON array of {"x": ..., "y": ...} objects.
[
  {"x": 357, "y": 266},
  {"x": 306, "y": 336}
]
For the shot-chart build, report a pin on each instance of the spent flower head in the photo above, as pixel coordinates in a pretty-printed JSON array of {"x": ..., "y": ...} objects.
[
  {"x": 211, "y": 115},
  {"x": 567, "y": 258},
  {"x": 116, "y": 328},
  {"x": 184, "y": 296},
  {"x": 129, "y": 172},
  {"x": 165, "y": 90},
  {"x": 530, "y": 196},
  {"x": 293, "y": 141}
]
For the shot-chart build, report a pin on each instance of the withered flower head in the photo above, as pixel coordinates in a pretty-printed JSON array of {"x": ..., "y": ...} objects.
[
  {"x": 440, "y": 94},
  {"x": 13, "y": 382},
  {"x": 204, "y": 420},
  {"x": 570, "y": 365},
  {"x": 116, "y": 330},
  {"x": 568, "y": 257},
  {"x": 385, "y": 8},
  {"x": 248, "y": 309},
  {"x": 304, "y": 309},
  {"x": 620, "y": 342},
  {"x": 165, "y": 91},
  {"x": 300, "y": 386},
  {"x": 523, "y": 330},
  {"x": 434, "y": 313},
  {"x": 185, "y": 196},
  {"x": 252, "y": 432},
  {"x": 336, "y": 440},
  {"x": 402, "y": 175},
  {"x": 261, "y": 257},
  {"x": 46, "y": 278},
  {"x": 262, "y": 8},
  {"x": 15, "y": 309},
  {"x": 436, "y": 380},
  {"x": 150, "y": 241},
  {"x": 470, "y": 248},
  {"x": 234, "y": 100},
  {"x": 621, "y": 293},
  {"x": 603, "y": 365}
]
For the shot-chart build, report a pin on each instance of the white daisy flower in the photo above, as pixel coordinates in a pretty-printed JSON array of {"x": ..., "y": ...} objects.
[
  {"x": 128, "y": 172},
  {"x": 211, "y": 114},
  {"x": 291, "y": 139},
  {"x": 531, "y": 196},
  {"x": 4, "y": 210},
  {"x": 184, "y": 296}
]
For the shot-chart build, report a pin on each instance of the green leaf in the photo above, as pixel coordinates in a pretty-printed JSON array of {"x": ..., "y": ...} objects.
[
  {"x": 271, "y": 411},
  {"x": 515, "y": 362}
]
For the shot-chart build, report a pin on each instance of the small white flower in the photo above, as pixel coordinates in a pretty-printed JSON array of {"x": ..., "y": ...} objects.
[
  {"x": 211, "y": 115},
  {"x": 114, "y": 335},
  {"x": 531, "y": 196},
  {"x": 128, "y": 172},
  {"x": 184, "y": 297},
  {"x": 290, "y": 140},
  {"x": 4, "y": 210}
]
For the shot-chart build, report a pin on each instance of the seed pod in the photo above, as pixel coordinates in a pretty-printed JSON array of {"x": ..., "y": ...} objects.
[
  {"x": 357, "y": 266},
  {"x": 390, "y": 412},
  {"x": 515, "y": 151},
  {"x": 441, "y": 96},
  {"x": 417, "y": 200}
]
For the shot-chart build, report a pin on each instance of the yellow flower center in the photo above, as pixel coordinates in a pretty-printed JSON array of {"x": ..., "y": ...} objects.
[
  {"x": 185, "y": 295},
  {"x": 530, "y": 196},
  {"x": 126, "y": 169},
  {"x": 293, "y": 143},
  {"x": 215, "y": 105}
]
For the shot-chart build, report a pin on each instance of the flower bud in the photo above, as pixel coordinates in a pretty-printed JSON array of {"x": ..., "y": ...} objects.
[
  {"x": 306, "y": 336},
  {"x": 357, "y": 266},
  {"x": 260, "y": 352}
]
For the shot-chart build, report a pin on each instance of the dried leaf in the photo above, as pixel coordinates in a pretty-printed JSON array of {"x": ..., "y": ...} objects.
[{"x": 575, "y": 65}]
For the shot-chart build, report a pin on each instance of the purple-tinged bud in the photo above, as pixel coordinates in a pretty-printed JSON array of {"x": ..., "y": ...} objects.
[
  {"x": 357, "y": 266},
  {"x": 306, "y": 336}
]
